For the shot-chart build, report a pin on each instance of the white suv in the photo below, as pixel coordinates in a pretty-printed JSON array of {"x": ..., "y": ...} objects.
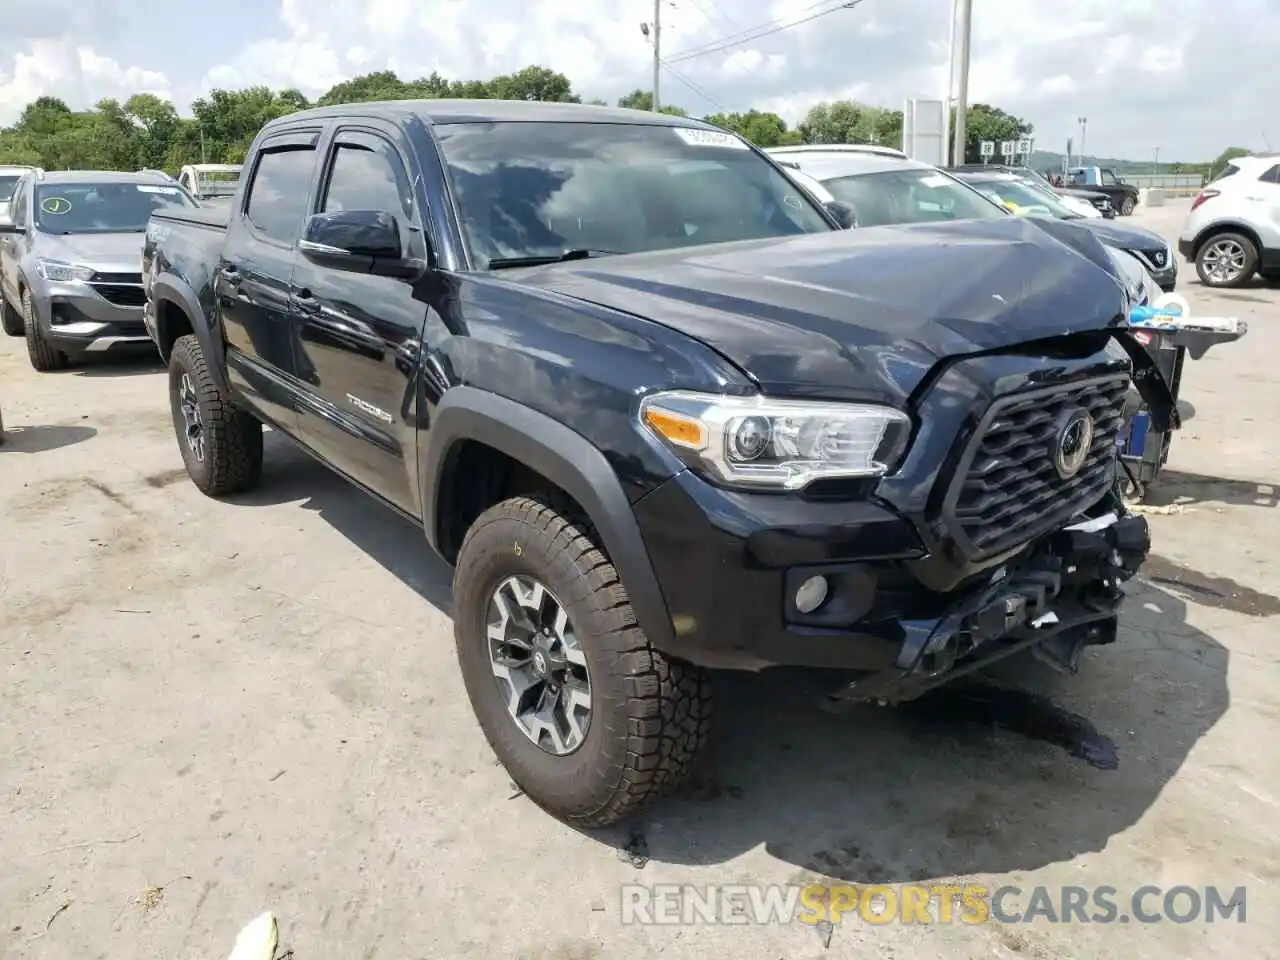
[{"x": 1233, "y": 230}]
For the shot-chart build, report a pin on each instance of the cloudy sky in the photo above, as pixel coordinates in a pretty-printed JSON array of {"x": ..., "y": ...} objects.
[{"x": 1187, "y": 76}]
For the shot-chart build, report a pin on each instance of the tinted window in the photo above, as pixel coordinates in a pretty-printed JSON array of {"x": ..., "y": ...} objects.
[
  {"x": 1272, "y": 175},
  {"x": 119, "y": 207},
  {"x": 8, "y": 183},
  {"x": 369, "y": 178},
  {"x": 1023, "y": 198},
  {"x": 278, "y": 194},
  {"x": 539, "y": 189},
  {"x": 911, "y": 196}
]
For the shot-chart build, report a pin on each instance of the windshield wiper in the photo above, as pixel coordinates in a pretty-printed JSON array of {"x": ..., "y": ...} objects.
[{"x": 581, "y": 253}]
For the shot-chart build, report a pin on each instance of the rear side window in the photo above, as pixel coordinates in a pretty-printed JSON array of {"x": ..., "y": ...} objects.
[
  {"x": 278, "y": 194},
  {"x": 369, "y": 178}
]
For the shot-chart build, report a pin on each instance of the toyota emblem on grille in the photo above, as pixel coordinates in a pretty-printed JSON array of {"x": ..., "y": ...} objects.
[{"x": 1072, "y": 443}]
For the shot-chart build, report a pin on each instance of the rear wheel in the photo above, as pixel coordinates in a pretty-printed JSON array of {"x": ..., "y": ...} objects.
[
  {"x": 221, "y": 446},
  {"x": 1226, "y": 260},
  {"x": 1126, "y": 208},
  {"x": 591, "y": 722},
  {"x": 44, "y": 355}
]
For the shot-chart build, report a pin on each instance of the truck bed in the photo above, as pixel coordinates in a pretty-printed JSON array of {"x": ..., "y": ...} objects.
[{"x": 212, "y": 217}]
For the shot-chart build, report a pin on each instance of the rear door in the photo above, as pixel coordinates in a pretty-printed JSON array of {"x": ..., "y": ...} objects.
[
  {"x": 255, "y": 271},
  {"x": 11, "y": 244},
  {"x": 359, "y": 335},
  {"x": 1267, "y": 190}
]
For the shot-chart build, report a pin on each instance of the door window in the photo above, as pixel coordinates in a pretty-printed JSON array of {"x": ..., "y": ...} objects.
[
  {"x": 1109, "y": 178},
  {"x": 18, "y": 205},
  {"x": 368, "y": 175},
  {"x": 278, "y": 193}
]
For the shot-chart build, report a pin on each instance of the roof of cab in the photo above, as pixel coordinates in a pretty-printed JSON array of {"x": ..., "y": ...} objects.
[{"x": 492, "y": 111}]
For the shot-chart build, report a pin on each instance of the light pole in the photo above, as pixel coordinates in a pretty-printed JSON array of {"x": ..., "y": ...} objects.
[
  {"x": 652, "y": 33},
  {"x": 1155, "y": 166},
  {"x": 961, "y": 32},
  {"x": 1084, "y": 125}
]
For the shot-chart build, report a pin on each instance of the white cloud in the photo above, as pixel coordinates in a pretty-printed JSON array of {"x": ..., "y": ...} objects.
[
  {"x": 1191, "y": 75},
  {"x": 78, "y": 74}
]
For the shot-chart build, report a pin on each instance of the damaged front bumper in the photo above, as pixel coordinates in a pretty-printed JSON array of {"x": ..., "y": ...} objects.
[{"x": 1062, "y": 596}]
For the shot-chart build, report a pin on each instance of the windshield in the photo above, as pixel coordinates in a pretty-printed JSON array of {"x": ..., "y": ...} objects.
[
  {"x": 542, "y": 189},
  {"x": 120, "y": 207},
  {"x": 1027, "y": 200},
  {"x": 219, "y": 184},
  {"x": 910, "y": 196},
  {"x": 8, "y": 183}
]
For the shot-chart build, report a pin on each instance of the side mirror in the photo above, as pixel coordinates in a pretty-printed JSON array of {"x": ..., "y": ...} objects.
[
  {"x": 358, "y": 241},
  {"x": 7, "y": 226},
  {"x": 844, "y": 213}
]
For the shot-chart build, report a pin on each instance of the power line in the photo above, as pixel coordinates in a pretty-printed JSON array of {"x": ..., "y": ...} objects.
[
  {"x": 760, "y": 31},
  {"x": 698, "y": 48},
  {"x": 694, "y": 87}
]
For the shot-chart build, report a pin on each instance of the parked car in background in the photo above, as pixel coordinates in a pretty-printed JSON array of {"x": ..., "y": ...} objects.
[
  {"x": 1087, "y": 203},
  {"x": 1233, "y": 229},
  {"x": 70, "y": 261},
  {"x": 1026, "y": 200},
  {"x": 1124, "y": 196},
  {"x": 210, "y": 183},
  {"x": 9, "y": 177},
  {"x": 661, "y": 414},
  {"x": 885, "y": 189}
]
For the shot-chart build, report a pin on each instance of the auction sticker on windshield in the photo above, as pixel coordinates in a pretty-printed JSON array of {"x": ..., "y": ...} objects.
[
  {"x": 934, "y": 180},
  {"x": 709, "y": 138},
  {"x": 55, "y": 206},
  {"x": 148, "y": 188}
]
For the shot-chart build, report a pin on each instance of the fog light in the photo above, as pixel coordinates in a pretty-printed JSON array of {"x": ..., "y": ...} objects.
[{"x": 811, "y": 595}]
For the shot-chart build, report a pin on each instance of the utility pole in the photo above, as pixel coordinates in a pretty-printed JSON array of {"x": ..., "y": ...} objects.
[
  {"x": 963, "y": 27},
  {"x": 948, "y": 96},
  {"x": 1155, "y": 165},
  {"x": 1084, "y": 127},
  {"x": 202, "y": 155},
  {"x": 657, "y": 52}
]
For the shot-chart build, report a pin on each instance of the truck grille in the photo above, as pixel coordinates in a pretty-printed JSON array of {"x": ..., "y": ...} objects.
[{"x": 1009, "y": 488}]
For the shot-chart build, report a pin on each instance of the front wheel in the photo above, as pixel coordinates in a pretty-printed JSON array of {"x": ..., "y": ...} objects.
[
  {"x": 1126, "y": 208},
  {"x": 591, "y": 722},
  {"x": 10, "y": 319},
  {"x": 1226, "y": 260},
  {"x": 221, "y": 446},
  {"x": 43, "y": 355}
]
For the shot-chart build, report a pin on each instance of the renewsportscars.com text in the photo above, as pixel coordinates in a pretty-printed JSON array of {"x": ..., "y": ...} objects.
[{"x": 675, "y": 904}]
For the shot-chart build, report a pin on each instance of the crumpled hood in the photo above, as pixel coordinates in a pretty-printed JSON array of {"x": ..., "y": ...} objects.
[
  {"x": 104, "y": 252},
  {"x": 863, "y": 313}
]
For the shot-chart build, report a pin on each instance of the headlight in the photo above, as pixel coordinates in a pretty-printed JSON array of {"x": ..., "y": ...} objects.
[
  {"x": 60, "y": 272},
  {"x": 783, "y": 444}
]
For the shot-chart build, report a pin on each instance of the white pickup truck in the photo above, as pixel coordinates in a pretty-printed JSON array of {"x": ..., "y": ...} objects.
[{"x": 210, "y": 181}]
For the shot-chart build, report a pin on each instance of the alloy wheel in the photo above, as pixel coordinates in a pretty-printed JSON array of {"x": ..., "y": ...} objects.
[{"x": 539, "y": 665}]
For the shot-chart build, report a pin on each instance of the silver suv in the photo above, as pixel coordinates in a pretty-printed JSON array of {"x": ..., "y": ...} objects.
[
  {"x": 1233, "y": 230},
  {"x": 71, "y": 260}
]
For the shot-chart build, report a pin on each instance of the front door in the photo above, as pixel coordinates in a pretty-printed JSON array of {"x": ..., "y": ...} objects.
[
  {"x": 255, "y": 271},
  {"x": 359, "y": 335}
]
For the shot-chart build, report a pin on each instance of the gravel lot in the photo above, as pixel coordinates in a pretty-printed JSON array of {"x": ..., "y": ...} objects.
[{"x": 211, "y": 709}]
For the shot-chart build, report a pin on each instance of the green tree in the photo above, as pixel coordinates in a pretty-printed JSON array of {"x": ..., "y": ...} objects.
[
  {"x": 842, "y": 121},
  {"x": 762, "y": 129},
  {"x": 643, "y": 100},
  {"x": 533, "y": 83},
  {"x": 985, "y": 122}
]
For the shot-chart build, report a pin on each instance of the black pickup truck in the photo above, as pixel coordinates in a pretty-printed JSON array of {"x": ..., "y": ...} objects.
[{"x": 661, "y": 413}]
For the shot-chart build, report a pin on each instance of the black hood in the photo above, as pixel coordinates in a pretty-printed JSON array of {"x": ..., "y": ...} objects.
[
  {"x": 864, "y": 313},
  {"x": 1122, "y": 236}
]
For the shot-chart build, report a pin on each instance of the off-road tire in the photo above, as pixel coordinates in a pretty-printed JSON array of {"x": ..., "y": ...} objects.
[
  {"x": 10, "y": 319},
  {"x": 1250, "y": 260},
  {"x": 232, "y": 438},
  {"x": 650, "y": 715},
  {"x": 1127, "y": 206},
  {"x": 44, "y": 355}
]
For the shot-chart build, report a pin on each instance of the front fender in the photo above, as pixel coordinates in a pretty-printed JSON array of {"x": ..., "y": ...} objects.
[
  {"x": 171, "y": 290},
  {"x": 568, "y": 460}
]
